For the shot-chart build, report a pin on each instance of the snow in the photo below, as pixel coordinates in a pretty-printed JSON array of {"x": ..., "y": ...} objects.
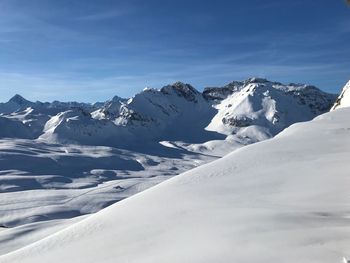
[
  {"x": 281, "y": 200},
  {"x": 343, "y": 99},
  {"x": 16, "y": 103},
  {"x": 41, "y": 181},
  {"x": 30, "y": 233},
  {"x": 62, "y": 160},
  {"x": 267, "y": 104},
  {"x": 13, "y": 129}
]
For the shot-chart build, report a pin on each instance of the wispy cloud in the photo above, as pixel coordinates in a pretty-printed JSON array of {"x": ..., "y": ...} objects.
[
  {"x": 47, "y": 26},
  {"x": 116, "y": 13}
]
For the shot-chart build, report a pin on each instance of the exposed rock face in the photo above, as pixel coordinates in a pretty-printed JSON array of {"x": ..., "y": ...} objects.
[
  {"x": 344, "y": 98},
  {"x": 182, "y": 90},
  {"x": 216, "y": 93},
  {"x": 237, "y": 121},
  {"x": 311, "y": 96}
]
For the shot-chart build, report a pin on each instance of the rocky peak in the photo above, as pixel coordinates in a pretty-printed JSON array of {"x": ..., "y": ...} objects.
[
  {"x": 118, "y": 99},
  {"x": 255, "y": 80},
  {"x": 234, "y": 85},
  {"x": 18, "y": 99},
  {"x": 182, "y": 90},
  {"x": 220, "y": 93}
]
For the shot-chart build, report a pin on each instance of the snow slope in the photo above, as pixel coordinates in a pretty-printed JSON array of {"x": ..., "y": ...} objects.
[
  {"x": 343, "y": 99},
  {"x": 11, "y": 128},
  {"x": 282, "y": 200},
  {"x": 40, "y": 181},
  {"x": 42, "y": 185}
]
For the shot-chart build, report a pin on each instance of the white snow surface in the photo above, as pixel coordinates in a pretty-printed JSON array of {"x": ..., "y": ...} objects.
[
  {"x": 282, "y": 200},
  {"x": 343, "y": 99}
]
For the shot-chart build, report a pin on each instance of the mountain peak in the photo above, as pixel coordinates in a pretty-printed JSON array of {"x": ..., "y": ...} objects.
[
  {"x": 182, "y": 90},
  {"x": 256, "y": 80},
  {"x": 118, "y": 99},
  {"x": 19, "y": 100},
  {"x": 179, "y": 83}
]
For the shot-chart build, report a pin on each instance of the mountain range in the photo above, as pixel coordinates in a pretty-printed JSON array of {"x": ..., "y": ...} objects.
[{"x": 249, "y": 110}]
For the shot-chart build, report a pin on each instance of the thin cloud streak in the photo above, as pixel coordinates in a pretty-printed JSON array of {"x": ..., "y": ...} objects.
[{"x": 120, "y": 12}]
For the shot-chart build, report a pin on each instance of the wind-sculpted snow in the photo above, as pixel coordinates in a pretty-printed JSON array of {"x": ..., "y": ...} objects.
[
  {"x": 281, "y": 200},
  {"x": 41, "y": 182}
]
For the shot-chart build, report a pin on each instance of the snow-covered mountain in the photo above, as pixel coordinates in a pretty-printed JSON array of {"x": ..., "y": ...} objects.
[
  {"x": 16, "y": 103},
  {"x": 34, "y": 115},
  {"x": 109, "y": 109},
  {"x": 344, "y": 98},
  {"x": 281, "y": 200},
  {"x": 250, "y": 110},
  {"x": 271, "y": 106}
]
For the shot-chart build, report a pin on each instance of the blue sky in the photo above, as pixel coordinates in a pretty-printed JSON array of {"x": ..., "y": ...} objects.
[{"x": 92, "y": 50}]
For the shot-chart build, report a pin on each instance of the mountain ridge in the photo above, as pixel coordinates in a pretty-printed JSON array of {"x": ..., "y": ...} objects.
[{"x": 157, "y": 114}]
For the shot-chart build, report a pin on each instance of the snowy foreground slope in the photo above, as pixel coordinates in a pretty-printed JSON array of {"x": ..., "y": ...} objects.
[{"x": 282, "y": 200}]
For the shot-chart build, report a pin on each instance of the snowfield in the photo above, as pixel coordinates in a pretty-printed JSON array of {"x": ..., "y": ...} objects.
[
  {"x": 41, "y": 182},
  {"x": 281, "y": 200}
]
